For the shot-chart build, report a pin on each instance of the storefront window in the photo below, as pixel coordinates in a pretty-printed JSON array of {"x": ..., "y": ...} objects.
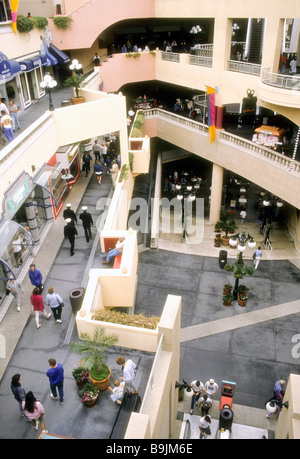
[
  {"x": 51, "y": 179},
  {"x": 25, "y": 91},
  {"x": 15, "y": 245}
]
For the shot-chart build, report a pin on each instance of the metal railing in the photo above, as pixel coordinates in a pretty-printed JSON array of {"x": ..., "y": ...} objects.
[
  {"x": 184, "y": 121},
  {"x": 244, "y": 67},
  {"x": 291, "y": 82}
]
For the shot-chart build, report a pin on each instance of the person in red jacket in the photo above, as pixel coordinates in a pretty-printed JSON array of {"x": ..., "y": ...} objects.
[{"x": 38, "y": 306}]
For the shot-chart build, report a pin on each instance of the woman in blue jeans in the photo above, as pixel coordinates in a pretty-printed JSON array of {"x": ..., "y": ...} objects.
[{"x": 116, "y": 251}]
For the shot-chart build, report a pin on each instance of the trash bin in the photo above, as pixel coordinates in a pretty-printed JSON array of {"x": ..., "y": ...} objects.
[
  {"x": 226, "y": 418},
  {"x": 66, "y": 102},
  {"x": 222, "y": 258},
  {"x": 76, "y": 298}
]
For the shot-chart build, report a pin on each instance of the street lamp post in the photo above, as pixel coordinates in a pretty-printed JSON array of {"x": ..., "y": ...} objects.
[
  {"x": 49, "y": 83},
  {"x": 185, "y": 195},
  {"x": 240, "y": 240}
]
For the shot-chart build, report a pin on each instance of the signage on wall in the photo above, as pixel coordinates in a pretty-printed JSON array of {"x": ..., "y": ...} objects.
[{"x": 16, "y": 195}]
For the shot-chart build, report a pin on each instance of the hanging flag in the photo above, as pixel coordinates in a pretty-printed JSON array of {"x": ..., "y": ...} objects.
[
  {"x": 211, "y": 107},
  {"x": 14, "y": 12}
]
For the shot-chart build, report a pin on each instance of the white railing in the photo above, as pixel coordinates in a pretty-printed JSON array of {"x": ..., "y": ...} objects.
[
  {"x": 200, "y": 60},
  {"x": 244, "y": 67},
  {"x": 153, "y": 379},
  {"x": 237, "y": 141},
  {"x": 280, "y": 81},
  {"x": 184, "y": 121},
  {"x": 203, "y": 50},
  {"x": 171, "y": 57},
  {"x": 261, "y": 151}
]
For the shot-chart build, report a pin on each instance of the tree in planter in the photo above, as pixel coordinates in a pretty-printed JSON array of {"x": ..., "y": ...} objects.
[
  {"x": 227, "y": 224},
  {"x": 94, "y": 352}
]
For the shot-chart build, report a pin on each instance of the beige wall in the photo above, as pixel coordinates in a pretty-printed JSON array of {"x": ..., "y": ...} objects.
[
  {"x": 20, "y": 44},
  {"x": 288, "y": 424},
  {"x": 267, "y": 174}
]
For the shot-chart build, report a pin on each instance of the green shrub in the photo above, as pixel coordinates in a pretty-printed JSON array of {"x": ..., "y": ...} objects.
[
  {"x": 62, "y": 22},
  {"x": 40, "y": 22},
  {"x": 136, "y": 320},
  {"x": 24, "y": 25}
]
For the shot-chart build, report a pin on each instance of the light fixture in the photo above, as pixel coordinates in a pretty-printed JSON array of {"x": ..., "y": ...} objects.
[
  {"x": 279, "y": 203},
  {"x": 266, "y": 202},
  {"x": 49, "y": 83},
  {"x": 75, "y": 65}
]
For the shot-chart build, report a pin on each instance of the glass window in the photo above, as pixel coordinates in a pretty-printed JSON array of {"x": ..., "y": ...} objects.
[
  {"x": 25, "y": 91},
  {"x": 15, "y": 244}
]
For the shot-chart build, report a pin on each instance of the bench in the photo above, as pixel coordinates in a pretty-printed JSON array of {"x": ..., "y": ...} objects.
[{"x": 117, "y": 262}]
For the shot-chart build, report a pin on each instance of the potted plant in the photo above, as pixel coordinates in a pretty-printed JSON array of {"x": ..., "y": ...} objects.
[
  {"x": 227, "y": 299},
  {"x": 89, "y": 395},
  {"x": 229, "y": 267},
  {"x": 242, "y": 299},
  {"x": 218, "y": 226},
  {"x": 242, "y": 289},
  {"x": 217, "y": 240},
  {"x": 75, "y": 82},
  {"x": 226, "y": 226},
  {"x": 81, "y": 376},
  {"x": 180, "y": 394},
  {"x": 227, "y": 288},
  {"x": 94, "y": 355}
]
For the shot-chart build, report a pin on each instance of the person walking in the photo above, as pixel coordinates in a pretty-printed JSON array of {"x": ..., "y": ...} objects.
[
  {"x": 211, "y": 388},
  {"x": 205, "y": 404},
  {"x": 114, "y": 172},
  {"x": 87, "y": 222},
  {"x": 86, "y": 163},
  {"x": 36, "y": 277},
  {"x": 197, "y": 387},
  {"x": 243, "y": 215},
  {"x": 38, "y": 306},
  {"x": 96, "y": 150},
  {"x": 69, "y": 213},
  {"x": 257, "y": 254},
  {"x": 204, "y": 426},
  {"x": 70, "y": 232},
  {"x": 56, "y": 380},
  {"x": 34, "y": 411},
  {"x": 18, "y": 392},
  {"x": 6, "y": 125},
  {"x": 128, "y": 374},
  {"x": 98, "y": 171},
  {"x": 55, "y": 302},
  {"x": 16, "y": 289},
  {"x": 13, "y": 112}
]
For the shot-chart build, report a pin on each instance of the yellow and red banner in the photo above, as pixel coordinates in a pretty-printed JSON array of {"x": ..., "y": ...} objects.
[
  {"x": 14, "y": 13},
  {"x": 211, "y": 113}
]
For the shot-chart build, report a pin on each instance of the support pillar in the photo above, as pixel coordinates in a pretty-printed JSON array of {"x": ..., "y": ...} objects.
[
  {"x": 216, "y": 193},
  {"x": 31, "y": 219}
]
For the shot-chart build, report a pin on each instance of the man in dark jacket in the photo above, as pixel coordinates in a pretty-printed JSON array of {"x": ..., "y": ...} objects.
[
  {"x": 87, "y": 222},
  {"x": 86, "y": 163},
  {"x": 70, "y": 232},
  {"x": 69, "y": 213}
]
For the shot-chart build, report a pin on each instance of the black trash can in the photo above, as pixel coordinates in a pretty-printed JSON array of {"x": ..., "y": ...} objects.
[
  {"x": 226, "y": 418},
  {"x": 222, "y": 258},
  {"x": 76, "y": 299}
]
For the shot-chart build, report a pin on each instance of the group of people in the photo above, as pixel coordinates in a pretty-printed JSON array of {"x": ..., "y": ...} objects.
[
  {"x": 30, "y": 407},
  {"x": 203, "y": 395},
  {"x": 70, "y": 230},
  {"x": 106, "y": 154},
  {"x": 9, "y": 119},
  {"x": 33, "y": 410}
]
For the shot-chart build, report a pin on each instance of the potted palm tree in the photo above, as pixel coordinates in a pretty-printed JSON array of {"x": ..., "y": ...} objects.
[
  {"x": 94, "y": 355},
  {"x": 75, "y": 81}
]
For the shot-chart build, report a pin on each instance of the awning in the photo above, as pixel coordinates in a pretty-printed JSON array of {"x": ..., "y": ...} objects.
[
  {"x": 51, "y": 180},
  {"x": 29, "y": 64},
  {"x": 50, "y": 59},
  {"x": 60, "y": 55},
  {"x": 8, "y": 68}
]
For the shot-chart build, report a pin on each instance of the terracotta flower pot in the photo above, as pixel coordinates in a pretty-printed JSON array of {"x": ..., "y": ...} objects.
[
  {"x": 102, "y": 385},
  {"x": 90, "y": 404},
  {"x": 77, "y": 100}
]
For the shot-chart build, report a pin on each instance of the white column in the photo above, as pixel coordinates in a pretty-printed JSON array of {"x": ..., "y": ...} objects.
[{"x": 216, "y": 193}]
